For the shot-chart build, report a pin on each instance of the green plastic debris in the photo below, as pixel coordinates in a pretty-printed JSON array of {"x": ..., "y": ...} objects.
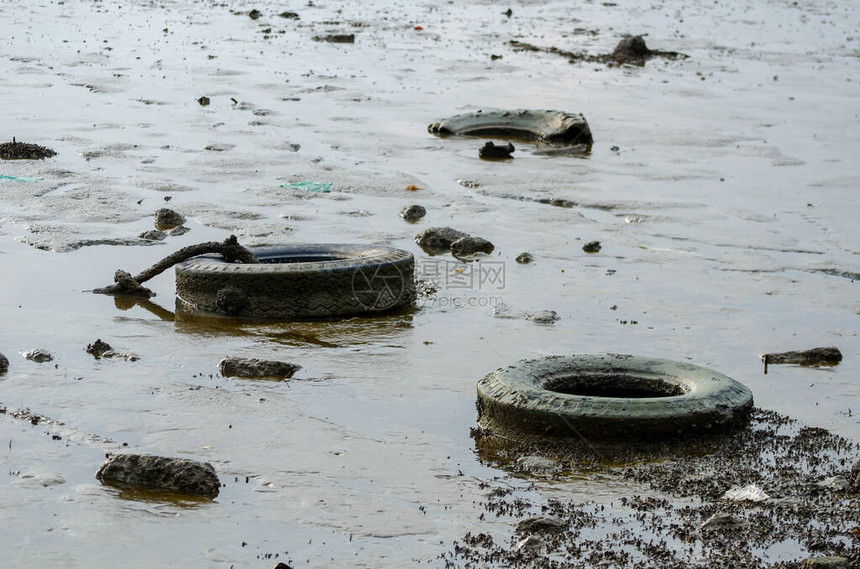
[
  {"x": 324, "y": 187},
  {"x": 18, "y": 179}
]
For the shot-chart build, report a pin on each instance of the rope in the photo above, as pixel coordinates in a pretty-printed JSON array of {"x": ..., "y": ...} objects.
[{"x": 124, "y": 283}]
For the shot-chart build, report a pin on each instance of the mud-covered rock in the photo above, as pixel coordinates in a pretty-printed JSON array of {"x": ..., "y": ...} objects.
[
  {"x": 543, "y": 316},
  {"x": 525, "y": 258},
  {"x": 98, "y": 348},
  {"x": 815, "y": 357},
  {"x": 493, "y": 151},
  {"x": 176, "y": 231},
  {"x": 438, "y": 237},
  {"x": 466, "y": 246},
  {"x": 723, "y": 522},
  {"x": 412, "y": 212},
  {"x": 255, "y": 368},
  {"x": 143, "y": 471},
  {"x": 166, "y": 219},
  {"x": 4, "y": 364},
  {"x": 38, "y": 356}
]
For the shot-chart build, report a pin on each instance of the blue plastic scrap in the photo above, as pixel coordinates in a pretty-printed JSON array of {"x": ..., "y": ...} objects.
[
  {"x": 324, "y": 187},
  {"x": 18, "y": 179}
]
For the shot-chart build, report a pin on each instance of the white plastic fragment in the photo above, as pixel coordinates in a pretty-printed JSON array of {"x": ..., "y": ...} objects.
[{"x": 750, "y": 493}]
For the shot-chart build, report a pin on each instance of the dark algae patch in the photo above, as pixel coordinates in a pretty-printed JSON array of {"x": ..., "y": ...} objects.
[
  {"x": 24, "y": 151},
  {"x": 679, "y": 516}
]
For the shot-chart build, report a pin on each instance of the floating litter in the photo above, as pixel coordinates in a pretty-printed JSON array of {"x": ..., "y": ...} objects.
[
  {"x": 323, "y": 187},
  {"x": 751, "y": 493}
]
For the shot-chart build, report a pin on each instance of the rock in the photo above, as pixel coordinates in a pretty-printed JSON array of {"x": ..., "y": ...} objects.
[
  {"x": 855, "y": 479},
  {"x": 289, "y": 15},
  {"x": 722, "y": 521},
  {"x": 543, "y": 317},
  {"x": 24, "y": 151},
  {"x": 815, "y": 357},
  {"x": 167, "y": 219},
  {"x": 255, "y": 14},
  {"x": 438, "y": 237},
  {"x": 176, "y": 231},
  {"x": 253, "y": 368},
  {"x": 412, "y": 213},
  {"x": 153, "y": 235},
  {"x": 541, "y": 524},
  {"x": 38, "y": 356},
  {"x": 160, "y": 473},
  {"x": 525, "y": 258},
  {"x": 337, "y": 38},
  {"x": 4, "y": 364},
  {"x": 98, "y": 348},
  {"x": 465, "y": 246},
  {"x": 835, "y": 483},
  {"x": 530, "y": 543},
  {"x": 493, "y": 152},
  {"x": 591, "y": 247},
  {"x": 632, "y": 47},
  {"x": 825, "y": 563},
  {"x": 203, "y": 101}
]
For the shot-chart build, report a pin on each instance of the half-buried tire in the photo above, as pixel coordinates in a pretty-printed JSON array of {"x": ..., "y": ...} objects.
[
  {"x": 609, "y": 397},
  {"x": 299, "y": 282}
]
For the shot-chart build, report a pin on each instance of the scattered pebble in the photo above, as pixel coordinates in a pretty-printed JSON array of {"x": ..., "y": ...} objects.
[
  {"x": 525, "y": 258},
  {"x": 412, "y": 212},
  {"x": 438, "y": 237},
  {"x": 203, "y": 101},
  {"x": 166, "y": 219},
  {"x": 153, "y": 235},
  {"x": 493, "y": 152}
]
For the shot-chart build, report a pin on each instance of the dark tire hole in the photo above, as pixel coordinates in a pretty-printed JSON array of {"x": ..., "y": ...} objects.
[{"x": 614, "y": 385}]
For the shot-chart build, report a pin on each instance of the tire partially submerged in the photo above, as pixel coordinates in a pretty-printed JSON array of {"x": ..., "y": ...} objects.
[
  {"x": 611, "y": 396},
  {"x": 547, "y": 127},
  {"x": 299, "y": 282}
]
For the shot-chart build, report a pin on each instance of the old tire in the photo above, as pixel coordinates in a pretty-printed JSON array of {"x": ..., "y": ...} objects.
[
  {"x": 299, "y": 281},
  {"x": 550, "y": 127},
  {"x": 609, "y": 397}
]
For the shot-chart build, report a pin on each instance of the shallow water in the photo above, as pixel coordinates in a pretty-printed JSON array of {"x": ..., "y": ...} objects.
[{"x": 727, "y": 218}]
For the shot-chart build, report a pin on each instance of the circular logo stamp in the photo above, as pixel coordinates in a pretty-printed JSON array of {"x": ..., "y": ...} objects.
[{"x": 379, "y": 287}]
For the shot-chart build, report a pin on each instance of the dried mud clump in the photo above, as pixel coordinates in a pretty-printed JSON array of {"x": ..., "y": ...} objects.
[
  {"x": 24, "y": 151},
  {"x": 678, "y": 515}
]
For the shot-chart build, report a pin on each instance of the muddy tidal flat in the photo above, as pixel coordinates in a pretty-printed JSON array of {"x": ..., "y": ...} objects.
[{"x": 712, "y": 220}]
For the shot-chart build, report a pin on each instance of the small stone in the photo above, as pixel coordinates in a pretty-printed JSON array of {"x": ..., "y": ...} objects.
[
  {"x": 255, "y": 14},
  {"x": 825, "y": 563},
  {"x": 203, "y": 101},
  {"x": 178, "y": 475},
  {"x": 289, "y": 15},
  {"x": 412, "y": 213},
  {"x": 98, "y": 348},
  {"x": 493, "y": 152},
  {"x": 153, "y": 235},
  {"x": 543, "y": 317},
  {"x": 438, "y": 237},
  {"x": 466, "y": 246},
  {"x": 591, "y": 247},
  {"x": 166, "y": 219},
  {"x": 4, "y": 364},
  {"x": 525, "y": 258},
  {"x": 38, "y": 356},
  {"x": 255, "y": 368},
  {"x": 541, "y": 524}
]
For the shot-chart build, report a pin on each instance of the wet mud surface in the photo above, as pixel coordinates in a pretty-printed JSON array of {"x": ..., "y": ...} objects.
[{"x": 719, "y": 186}]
